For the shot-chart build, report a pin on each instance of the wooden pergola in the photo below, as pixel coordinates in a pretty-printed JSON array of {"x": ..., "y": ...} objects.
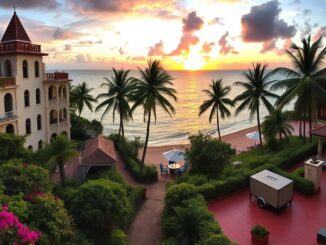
[{"x": 321, "y": 133}]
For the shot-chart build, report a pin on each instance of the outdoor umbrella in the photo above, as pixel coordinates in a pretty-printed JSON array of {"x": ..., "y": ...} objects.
[
  {"x": 174, "y": 155},
  {"x": 254, "y": 136}
]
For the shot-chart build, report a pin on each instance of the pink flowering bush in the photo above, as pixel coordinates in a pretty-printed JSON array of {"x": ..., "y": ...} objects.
[{"x": 11, "y": 230}]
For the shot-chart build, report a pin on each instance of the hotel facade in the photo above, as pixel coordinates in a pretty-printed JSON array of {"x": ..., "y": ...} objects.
[{"x": 32, "y": 102}]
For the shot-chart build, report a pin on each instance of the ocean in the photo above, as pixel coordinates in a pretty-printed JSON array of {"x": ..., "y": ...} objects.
[{"x": 175, "y": 130}]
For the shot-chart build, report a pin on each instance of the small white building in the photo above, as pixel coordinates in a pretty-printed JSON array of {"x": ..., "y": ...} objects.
[{"x": 32, "y": 102}]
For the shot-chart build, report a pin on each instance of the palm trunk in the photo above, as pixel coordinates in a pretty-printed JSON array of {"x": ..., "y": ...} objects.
[
  {"x": 122, "y": 129},
  {"x": 300, "y": 128},
  {"x": 62, "y": 172},
  {"x": 259, "y": 130},
  {"x": 218, "y": 124},
  {"x": 146, "y": 140},
  {"x": 310, "y": 121},
  {"x": 304, "y": 126}
]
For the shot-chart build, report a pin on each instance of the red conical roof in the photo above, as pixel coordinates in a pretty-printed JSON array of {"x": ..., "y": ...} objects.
[{"x": 15, "y": 31}]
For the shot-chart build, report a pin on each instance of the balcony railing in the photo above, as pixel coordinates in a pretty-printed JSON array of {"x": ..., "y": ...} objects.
[
  {"x": 19, "y": 46},
  {"x": 7, "y": 81},
  {"x": 56, "y": 76},
  {"x": 53, "y": 126},
  {"x": 53, "y": 102},
  {"x": 62, "y": 101},
  {"x": 64, "y": 124},
  {"x": 7, "y": 116}
]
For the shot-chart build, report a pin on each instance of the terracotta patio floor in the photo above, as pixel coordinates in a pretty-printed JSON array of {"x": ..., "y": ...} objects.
[{"x": 297, "y": 225}]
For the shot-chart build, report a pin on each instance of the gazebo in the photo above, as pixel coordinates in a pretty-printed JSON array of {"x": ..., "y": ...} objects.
[
  {"x": 98, "y": 151},
  {"x": 321, "y": 133}
]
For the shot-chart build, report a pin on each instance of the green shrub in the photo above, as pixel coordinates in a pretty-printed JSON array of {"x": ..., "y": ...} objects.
[
  {"x": 208, "y": 156},
  {"x": 299, "y": 172},
  {"x": 259, "y": 231},
  {"x": 217, "y": 239},
  {"x": 118, "y": 237},
  {"x": 79, "y": 134},
  {"x": 12, "y": 146},
  {"x": 24, "y": 178},
  {"x": 178, "y": 194}
]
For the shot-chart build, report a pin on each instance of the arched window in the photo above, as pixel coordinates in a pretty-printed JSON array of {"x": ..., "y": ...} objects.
[
  {"x": 30, "y": 148},
  {"x": 53, "y": 137},
  {"x": 10, "y": 129},
  {"x": 26, "y": 98},
  {"x": 38, "y": 96},
  {"x": 8, "y": 68},
  {"x": 52, "y": 93},
  {"x": 53, "y": 116},
  {"x": 28, "y": 126},
  {"x": 25, "y": 69},
  {"x": 40, "y": 144},
  {"x": 8, "y": 103},
  {"x": 37, "y": 69},
  {"x": 39, "y": 122},
  {"x": 62, "y": 92}
]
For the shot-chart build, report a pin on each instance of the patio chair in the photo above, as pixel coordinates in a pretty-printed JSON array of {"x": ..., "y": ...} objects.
[
  {"x": 183, "y": 169},
  {"x": 164, "y": 170}
]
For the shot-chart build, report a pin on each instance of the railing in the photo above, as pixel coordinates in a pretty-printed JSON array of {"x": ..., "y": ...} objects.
[
  {"x": 56, "y": 76},
  {"x": 19, "y": 46},
  {"x": 7, "y": 116},
  {"x": 64, "y": 124},
  {"x": 62, "y": 101},
  {"x": 7, "y": 81},
  {"x": 53, "y": 102},
  {"x": 53, "y": 126}
]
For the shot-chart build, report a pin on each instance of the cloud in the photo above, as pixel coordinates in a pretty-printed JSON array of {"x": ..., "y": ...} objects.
[
  {"x": 321, "y": 32},
  {"x": 26, "y": 4},
  {"x": 103, "y": 5},
  {"x": 83, "y": 58},
  {"x": 157, "y": 49},
  {"x": 190, "y": 24},
  {"x": 225, "y": 46},
  {"x": 207, "y": 47},
  {"x": 121, "y": 51},
  {"x": 66, "y": 34},
  {"x": 306, "y": 12},
  {"x": 216, "y": 21},
  {"x": 268, "y": 46},
  {"x": 263, "y": 24}
]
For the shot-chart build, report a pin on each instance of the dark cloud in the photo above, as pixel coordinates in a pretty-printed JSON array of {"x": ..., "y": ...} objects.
[
  {"x": 263, "y": 24},
  {"x": 268, "y": 46},
  {"x": 66, "y": 34},
  {"x": 103, "y": 5},
  {"x": 216, "y": 21},
  {"x": 207, "y": 47},
  {"x": 192, "y": 22},
  {"x": 225, "y": 46},
  {"x": 25, "y": 4},
  {"x": 157, "y": 49}
]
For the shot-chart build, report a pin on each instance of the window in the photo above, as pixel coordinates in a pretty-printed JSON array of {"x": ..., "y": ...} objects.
[
  {"x": 52, "y": 93},
  {"x": 38, "y": 96},
  {"x": 8, "y": 103},
  {"x": 10, "y": 129},
  {"x": 28, "y": 126},
  {"x": 26, "y": 98},
  {"x": 8, "y": 68},
  {"x": 53, "y": 117},
  {"x": 25, "y": 69},
  {"x": 40, "y": 144},
  {"x": 37, "y": 69},
  {"x": 39, "y": 122},
  {"x": 30, "y": 148}
]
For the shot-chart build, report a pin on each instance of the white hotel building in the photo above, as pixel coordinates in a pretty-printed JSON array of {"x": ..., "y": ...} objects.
[{"x": 32, "y": 102}]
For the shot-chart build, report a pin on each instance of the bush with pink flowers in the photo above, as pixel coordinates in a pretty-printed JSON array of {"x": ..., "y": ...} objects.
[{"x": 14, "y": 232}]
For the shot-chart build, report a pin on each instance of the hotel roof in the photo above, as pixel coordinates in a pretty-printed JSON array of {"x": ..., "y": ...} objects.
[
  {"x": 15, "y": 31},
  {"x": 320, "y": 131}
]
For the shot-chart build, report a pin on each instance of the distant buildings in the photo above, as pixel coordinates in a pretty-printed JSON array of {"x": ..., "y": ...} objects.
[{"x": 32, "y": 102}]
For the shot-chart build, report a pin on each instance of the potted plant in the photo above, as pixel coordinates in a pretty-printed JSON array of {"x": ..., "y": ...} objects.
[{"x": 259, "y": 235}]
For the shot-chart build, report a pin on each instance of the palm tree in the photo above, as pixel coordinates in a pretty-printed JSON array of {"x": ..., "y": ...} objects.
[
  {"x": 256, "y": 93},
  {"x": 305, "y": 81},
  {"x": 151, "y": 91},
  {"x": 277, "y": 124},
  {"x": 59, "y": 151},
  {"x": 218, "y": 102},
  {"x": 80, "y": 96},
  {"x": 116, "y": 98}
]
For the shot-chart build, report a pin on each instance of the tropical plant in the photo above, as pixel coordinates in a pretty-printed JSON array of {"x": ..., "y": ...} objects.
[
  {"x": 256, "y": 93},
  {"x": 116, "y": 98},
  {"x": 151, "y": 90},
  {"x": 80, "y": 96},
  {"x": 259, "y": 231},
  {"x": 305, "y": 82},
  {"x": 59, "y": 151},
  {"x": 277, "y": 123},
  {"x": 12, "y": 146},
  {"x": 218, "y": 102}
]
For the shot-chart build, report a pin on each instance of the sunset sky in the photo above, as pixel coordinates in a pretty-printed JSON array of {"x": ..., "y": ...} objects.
[{"x": 184, "y": 34}]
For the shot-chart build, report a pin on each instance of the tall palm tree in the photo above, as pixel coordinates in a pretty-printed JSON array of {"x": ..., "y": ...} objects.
[
  {"x": 119, "y": 87},
  {"x": 217, "y": 102},
  {"x": 277, "y": 123},
  {"x": 150, "y": 91},
  {"x": 305, "y": 81},
  {"x": 80, "y": 96},
  {"x": 59, "y": 151},
  {"x": 256, "y": 93}
]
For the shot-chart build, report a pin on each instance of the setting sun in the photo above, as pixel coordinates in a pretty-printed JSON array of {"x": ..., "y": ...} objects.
[{"x": 193, "y": 62}]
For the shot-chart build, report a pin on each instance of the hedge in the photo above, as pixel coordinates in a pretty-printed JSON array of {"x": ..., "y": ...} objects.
[{"x": 132, "y": 164}]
